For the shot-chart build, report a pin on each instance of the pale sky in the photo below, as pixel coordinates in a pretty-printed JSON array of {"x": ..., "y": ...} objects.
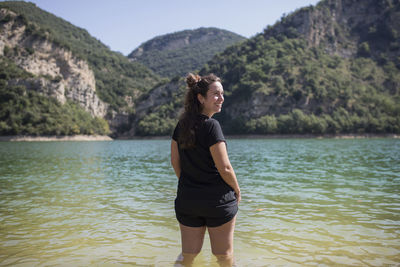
[{"x": 125, "y": 24}]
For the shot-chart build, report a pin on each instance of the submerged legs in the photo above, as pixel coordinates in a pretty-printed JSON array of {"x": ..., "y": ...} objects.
[
  {"x": 192, "y": 242},
  {"x": 221, "y": 238}
]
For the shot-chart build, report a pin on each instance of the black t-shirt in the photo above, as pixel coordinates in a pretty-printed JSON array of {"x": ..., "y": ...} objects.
[{"x": 200, "y": 179}]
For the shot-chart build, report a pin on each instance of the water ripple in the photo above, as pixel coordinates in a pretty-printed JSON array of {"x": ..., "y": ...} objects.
[{"x": 305, "y": 202}]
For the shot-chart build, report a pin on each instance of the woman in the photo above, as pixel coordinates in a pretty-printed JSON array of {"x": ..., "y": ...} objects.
[{"x": 208, "y": 192}]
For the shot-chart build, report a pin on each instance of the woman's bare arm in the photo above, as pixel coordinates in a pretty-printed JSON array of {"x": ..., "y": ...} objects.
[
  {"x": 221, "y": 160},
  {"x": 175, "y": 160}
]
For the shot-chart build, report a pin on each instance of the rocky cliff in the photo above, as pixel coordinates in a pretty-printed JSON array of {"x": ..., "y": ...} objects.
[
  {"x": 57, "y": 72},
  {"x": 55, "y": 58},
  {"x": 333, "y": 66},
  {"x": 330, "y": 68},
  {"x": 341, "y": 25}
]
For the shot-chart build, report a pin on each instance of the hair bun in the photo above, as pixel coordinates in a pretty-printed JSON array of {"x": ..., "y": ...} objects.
[{"x": 192, "y": 79}]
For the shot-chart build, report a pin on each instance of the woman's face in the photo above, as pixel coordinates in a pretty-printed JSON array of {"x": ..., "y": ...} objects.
[{"x": 212, "y": 103}]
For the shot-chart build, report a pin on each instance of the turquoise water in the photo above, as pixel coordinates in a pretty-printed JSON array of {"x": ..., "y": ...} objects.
[{"x": 306, "y": 202}]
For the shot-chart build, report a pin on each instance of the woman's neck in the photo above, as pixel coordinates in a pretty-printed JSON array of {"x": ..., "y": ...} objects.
[{"x": 209, "y": 115}]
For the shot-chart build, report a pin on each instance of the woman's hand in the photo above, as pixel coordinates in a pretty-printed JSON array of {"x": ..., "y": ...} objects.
[
  {"x": 224, "y": 167},
  {"x": 238, "y": 196}
]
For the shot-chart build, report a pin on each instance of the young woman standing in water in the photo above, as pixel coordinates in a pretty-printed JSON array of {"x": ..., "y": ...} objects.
[{"x": 208, "y": 192}]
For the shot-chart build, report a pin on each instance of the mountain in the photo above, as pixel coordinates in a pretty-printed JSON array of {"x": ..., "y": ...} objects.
[
  {"x": 57, "y": 79},
  {"x": 325, "y": 69},
  {"x": 178, "y": 53}
]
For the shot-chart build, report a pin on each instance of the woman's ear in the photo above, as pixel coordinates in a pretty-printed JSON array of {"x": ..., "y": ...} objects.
[{"x": 200, "y": 98}]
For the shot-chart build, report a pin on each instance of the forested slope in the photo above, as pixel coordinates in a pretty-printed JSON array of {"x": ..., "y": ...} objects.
[
  {"x": 332, "y": 68},
  {"x": 57, "y": 79},
  {"x": 178, "y": 53}
]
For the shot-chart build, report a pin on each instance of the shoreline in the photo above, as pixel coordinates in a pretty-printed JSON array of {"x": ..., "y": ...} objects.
[
  {"x": 276, "y": 136},
  {"x": 313, "y": 136},
  {"x": 44, "y": 138}
]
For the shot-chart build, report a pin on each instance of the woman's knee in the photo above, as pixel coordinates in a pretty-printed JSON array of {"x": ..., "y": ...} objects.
[
  {"x": 191, "y": 251},
  {"x": 225, "y": 259},
  {"x": 221, "y": 254}
]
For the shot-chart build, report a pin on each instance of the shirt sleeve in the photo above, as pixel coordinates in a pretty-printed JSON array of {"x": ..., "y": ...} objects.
[
  {"x": 176, "y": 132},
  {"x": 215, "y": 134}
]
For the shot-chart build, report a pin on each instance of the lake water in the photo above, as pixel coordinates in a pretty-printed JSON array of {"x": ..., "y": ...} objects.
[{"x": 306, "y": 202}]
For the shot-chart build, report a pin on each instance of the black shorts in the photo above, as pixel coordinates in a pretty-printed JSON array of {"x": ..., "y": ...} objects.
[{"x": 198, "y": 215}]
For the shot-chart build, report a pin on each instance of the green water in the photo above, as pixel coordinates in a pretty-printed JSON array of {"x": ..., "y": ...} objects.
[{"x": 305, "y": 202}]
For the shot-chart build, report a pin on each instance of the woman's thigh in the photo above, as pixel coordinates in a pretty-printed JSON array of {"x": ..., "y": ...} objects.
[
  {"x": 192, "y": 238},
  {"x": 221, "y": 238}
]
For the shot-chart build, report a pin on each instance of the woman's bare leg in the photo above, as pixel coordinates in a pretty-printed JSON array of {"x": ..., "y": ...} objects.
[
  {"x": 221, "y": 239},
  {"x": 192, "y": 242}
]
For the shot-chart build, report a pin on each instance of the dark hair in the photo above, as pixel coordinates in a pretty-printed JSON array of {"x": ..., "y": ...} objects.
[{"x": 189, "y": 120}]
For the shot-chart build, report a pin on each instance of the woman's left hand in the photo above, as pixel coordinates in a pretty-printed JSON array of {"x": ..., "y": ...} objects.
[{"x": 238, "y": 196}]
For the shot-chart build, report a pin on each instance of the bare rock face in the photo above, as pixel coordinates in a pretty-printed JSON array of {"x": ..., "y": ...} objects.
[
  {"x": 331, "y": 23},
  {"x": 158, "y": 96},
  {"x": 58, "y": 73},
  {"x": 42, "y": 85}
]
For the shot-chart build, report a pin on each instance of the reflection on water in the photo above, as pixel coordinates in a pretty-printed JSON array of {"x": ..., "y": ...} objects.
[{"x": 305, "y": 202}]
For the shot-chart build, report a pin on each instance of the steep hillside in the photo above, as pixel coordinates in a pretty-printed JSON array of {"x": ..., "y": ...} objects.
[
  {"x": 157, "y": 111},
  {"x": 317, "y": 71},
  {"x": 26, "y": 109},
  {"x": 178, "y": 53},
  {"x": 330, "y": 68},
  {"x": 64, "y": 62}
]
